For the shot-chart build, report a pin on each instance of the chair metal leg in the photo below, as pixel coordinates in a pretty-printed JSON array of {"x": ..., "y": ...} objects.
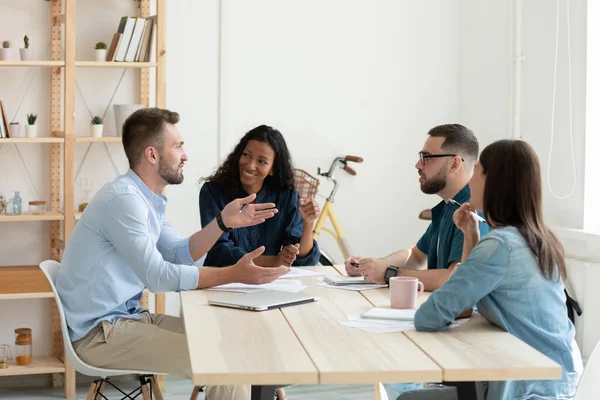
[{"x": 195, "y": 393}]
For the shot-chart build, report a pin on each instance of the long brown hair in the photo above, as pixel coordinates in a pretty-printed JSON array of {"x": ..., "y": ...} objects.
[{"x": 513, "y": 197}]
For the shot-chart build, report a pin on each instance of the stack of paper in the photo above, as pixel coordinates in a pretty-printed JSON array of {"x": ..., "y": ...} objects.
[
  {"x": 374, "y": 325},
  {"x": 282, "y": 285},
  {"x": 359, "y": 286}
]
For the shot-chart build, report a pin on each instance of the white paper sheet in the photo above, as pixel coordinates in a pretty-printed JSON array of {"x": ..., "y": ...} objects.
[
  {"x": 372, "y": 325},
  {"x": 390, "y": 314},
  {"x": 297, "y": 272},
  {"x": 378, "y": 325},
  {"x": 284, "y": 285},
  {"x": 352, "y": 287}
]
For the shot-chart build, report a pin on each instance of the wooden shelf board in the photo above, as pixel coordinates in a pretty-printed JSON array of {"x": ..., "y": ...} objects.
[
  {"x": 114, "y": 64},
  {"x": 42, "y": 365},
  {"x": 17, "y": 63},
  {"x": 25, "y": 296},
  {"x": 47, "y": 216},
  {"x": 89, "y": 139},
  {"x": 33, "y": 140}
]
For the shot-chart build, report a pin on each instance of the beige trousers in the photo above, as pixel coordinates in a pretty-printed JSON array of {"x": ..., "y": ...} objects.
[{"x": 153, "y": 343}]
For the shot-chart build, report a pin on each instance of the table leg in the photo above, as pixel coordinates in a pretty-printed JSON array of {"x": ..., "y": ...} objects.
[{"x": 263, "y": 392}]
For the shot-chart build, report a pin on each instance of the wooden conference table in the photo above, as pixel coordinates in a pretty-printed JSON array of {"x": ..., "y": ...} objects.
[{"x": 305, "y": 344}]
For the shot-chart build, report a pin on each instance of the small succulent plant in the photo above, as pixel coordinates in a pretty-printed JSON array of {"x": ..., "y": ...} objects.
[
  {"x": 100, "y": 46},
  {"x": 26, "y": 40},
  {"x": 6, "y": 44},
  {"x": 97, "y": 120},
  {"x": 31, "y": 118}
]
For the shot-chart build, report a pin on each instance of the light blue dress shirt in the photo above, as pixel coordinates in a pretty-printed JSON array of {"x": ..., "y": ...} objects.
[
  {"x": 502, "y": 277},
  {"x": 121, "y": 245}
]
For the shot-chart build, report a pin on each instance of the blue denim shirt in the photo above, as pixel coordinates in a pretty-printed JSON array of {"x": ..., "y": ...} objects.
[
  {"x": 283, "y": 229},
  {"x": 121, "y": 245},
  {"x": 442, "y": 242},
  {"x": 503, "y": 278}
]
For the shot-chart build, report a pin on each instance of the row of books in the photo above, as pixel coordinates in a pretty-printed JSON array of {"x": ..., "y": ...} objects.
[{"x": 133, "y": 40}]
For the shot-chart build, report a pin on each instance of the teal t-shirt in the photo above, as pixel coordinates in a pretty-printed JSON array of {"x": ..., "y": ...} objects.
[{"x": 443, "y": 241}]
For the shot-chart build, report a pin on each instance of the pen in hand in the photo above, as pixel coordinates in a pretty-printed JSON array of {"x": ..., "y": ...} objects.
[
  {"x": 479, "y": 218},
  {"x": 244, "y": 207}
]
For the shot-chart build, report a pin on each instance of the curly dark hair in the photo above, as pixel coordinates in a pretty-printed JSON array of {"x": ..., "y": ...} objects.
[{"x": 228, "y": 174}]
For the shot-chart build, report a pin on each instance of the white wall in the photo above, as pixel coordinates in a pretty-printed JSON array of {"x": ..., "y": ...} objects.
[
  {"x": 485, "y": 41},
  {"x": 346, "y": 77}
]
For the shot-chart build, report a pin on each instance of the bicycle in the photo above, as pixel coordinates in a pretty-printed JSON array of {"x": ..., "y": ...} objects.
[{"x": 306, "y": 185}]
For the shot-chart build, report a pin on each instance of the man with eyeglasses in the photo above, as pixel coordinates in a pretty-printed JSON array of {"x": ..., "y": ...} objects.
[{"x": 445, "y": 166}]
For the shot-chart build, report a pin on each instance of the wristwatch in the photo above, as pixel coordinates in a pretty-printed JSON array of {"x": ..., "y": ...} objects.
[
  {"x": 221, "y": 224},
  {"x": 390, "y": 272}
]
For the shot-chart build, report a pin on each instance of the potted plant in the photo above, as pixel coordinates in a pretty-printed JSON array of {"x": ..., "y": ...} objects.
[
  {"x": 100, "y": 51},
  {"x": 15, "y": 129},
  {"x": 96, "y": 126},
  {"x": 26, "y": 52},
  {"x": 5, "y": 50},
  {"x": 31, "y": 127}
]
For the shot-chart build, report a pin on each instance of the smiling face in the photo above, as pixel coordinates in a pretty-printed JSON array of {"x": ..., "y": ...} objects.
[
  {"x": 172, "y": 156},
  {"x": 256, "y": 163}
]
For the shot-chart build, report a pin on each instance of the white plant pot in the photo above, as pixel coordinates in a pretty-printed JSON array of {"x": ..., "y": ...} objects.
[
  {"x": 5, "y": 54},
  {"x": 122, "y": 112},
  {"x": 100, "y": 55},
  {"x": 96, "y": 130},
  {"x": 26, "y": 54},
  {"x": 31, "y": 131}
]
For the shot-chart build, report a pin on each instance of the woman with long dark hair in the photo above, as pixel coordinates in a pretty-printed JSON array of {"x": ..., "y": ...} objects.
[
  {"x": 261, "y": 164},
  {"x": 515, "y": 273}
]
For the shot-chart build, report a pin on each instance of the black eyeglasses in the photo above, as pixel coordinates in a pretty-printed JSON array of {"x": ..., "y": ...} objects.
[{"x": 426, "y": 156}]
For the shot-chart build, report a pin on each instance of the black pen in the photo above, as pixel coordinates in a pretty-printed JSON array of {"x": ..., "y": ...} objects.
[{"x": 244, "y": 207}]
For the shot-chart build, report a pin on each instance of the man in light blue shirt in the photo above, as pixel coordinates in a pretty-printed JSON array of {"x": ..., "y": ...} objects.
[{"x": 123, "y": 244}]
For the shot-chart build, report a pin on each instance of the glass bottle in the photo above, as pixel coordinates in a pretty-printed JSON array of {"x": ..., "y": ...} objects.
[
  {"x": 23, "y": 346},
  {"x": 5, "y": 356},
  {"x": 17, "y": 204}
]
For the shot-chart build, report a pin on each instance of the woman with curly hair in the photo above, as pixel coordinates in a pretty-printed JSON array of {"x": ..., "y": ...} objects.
[{"x": 261, "y": 164}]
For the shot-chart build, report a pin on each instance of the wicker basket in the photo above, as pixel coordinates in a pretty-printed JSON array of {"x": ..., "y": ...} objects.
[{"x": 305, "y": 184}]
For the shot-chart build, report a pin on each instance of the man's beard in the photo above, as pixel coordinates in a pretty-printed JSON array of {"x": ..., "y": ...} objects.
[
  {"x": 435, "y": 184},
  {"x": 171, "y": 175}
]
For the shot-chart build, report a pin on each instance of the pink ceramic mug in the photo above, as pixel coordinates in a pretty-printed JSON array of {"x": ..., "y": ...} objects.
[{"x": 404, "y": 291}]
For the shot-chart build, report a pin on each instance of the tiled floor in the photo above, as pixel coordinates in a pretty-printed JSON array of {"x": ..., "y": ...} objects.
[{"x": 181, "y": 389}]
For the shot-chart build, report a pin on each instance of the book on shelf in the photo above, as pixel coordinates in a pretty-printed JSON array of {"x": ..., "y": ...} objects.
[
  {"x": 4, "y": 123},
  {"x": 133, "y": 40}
]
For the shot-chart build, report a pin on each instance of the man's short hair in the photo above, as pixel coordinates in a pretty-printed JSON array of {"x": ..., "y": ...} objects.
[
  {"x": 145, "y": 128},
  {"x": 458, "y": 139}
]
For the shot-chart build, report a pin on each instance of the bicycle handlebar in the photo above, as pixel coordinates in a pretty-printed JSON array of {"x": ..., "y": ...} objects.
[
  {"x": 355, "y": 159},
  {"x": 349, "y": 170}
]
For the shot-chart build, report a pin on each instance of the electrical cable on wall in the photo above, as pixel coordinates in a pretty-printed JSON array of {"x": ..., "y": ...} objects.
[{"x": 554, "y": 104}]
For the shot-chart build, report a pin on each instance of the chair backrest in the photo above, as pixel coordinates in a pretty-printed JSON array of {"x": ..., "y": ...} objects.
[
  {"x": 589, "y": 385},
  {"x": 50, "y": 269}
]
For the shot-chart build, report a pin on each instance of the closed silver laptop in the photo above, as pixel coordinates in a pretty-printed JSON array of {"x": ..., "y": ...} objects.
[{"x": 263, "y": 300}]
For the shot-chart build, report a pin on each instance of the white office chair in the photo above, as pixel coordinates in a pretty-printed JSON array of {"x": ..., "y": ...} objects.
[
  {"x": 147, "y": 379},
  {"x": 589, "y": 385}
]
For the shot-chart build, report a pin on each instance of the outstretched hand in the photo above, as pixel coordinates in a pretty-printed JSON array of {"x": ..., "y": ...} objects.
[{"x": 235, "y": 215}]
